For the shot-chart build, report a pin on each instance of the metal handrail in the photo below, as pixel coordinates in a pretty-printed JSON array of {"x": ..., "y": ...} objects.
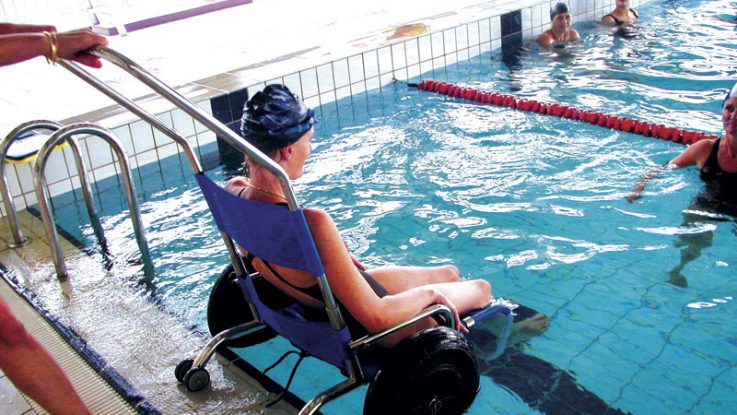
[
  {"x": 40, "y": 184},
  {"x": 10, "y": 212}
]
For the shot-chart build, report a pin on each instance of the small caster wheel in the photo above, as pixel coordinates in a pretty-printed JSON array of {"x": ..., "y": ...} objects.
[
  {"x": 196, "y": 380},
  {"x": 182, "y": 369}
]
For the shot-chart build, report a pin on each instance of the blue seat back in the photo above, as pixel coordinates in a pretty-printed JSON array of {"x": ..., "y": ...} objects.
[{"x": 280, "y": 236}]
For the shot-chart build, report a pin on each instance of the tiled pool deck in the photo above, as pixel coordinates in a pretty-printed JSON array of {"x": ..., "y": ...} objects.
[{"x": 212, "y": 55}]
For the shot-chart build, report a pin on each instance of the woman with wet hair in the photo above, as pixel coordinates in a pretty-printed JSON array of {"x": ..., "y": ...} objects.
[
  {"x": 280, "y": 125},
  {"x": 560, "y": 31}
]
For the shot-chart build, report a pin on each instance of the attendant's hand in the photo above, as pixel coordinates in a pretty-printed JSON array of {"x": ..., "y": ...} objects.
[{"x": 73, "y": 45}]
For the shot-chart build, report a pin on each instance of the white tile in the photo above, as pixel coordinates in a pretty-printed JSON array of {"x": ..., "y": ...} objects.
[
  {"x": 168, "y": 151},
  {"x": 327, "y": 97},
  {"x": 205, "y": 138},
  {"x": 413, "y": 71},
  {"x": 355, "y": 68},
  {"x": 11, "y": 178},
  {"x": 340, "y": 73},
  {"x": 496, "y": 28},
  {"x": 103, "y": 172},
  {"x": 485, "y": 30},
  {"x": 461, "y": 36},
  {"x": 183, "y": 123},
  {"x": 161, "y": 138},
  {"x": 474, "y": 37},
  {"x": 526, "y": 19},
  {"x": 25, "y": 177},
  {"x": 358, "y": 87},
  {"x": 343, "y": 92},
  {"x": 325, "y": 78},
  {"x": 142, "y": 135},
  {"x": 399, "y": 56},
  {"x": 449, "y": 40},
  {"x": 537, "y": 16},
  {"x": 23, "y": 201},
  {"x": 372, "y": 83},
  {"x": 412, "y": 51},
  {"x": 309, "y": 83},
  {"x": 123, "y": 133},
  {"x": 56, "y": 167},
  {"x": 385, "y": 60},
  {"x": 438, "y": 49},
  {"x": 371, "y": 64}
]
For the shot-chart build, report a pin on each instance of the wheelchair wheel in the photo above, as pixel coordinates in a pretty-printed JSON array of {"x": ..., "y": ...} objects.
[
  {"x": 227, "y": 307},
  {"x": 433, "y": 371}
]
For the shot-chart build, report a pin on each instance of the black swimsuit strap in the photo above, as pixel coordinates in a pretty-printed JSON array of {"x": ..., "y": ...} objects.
[{"x": 616, "y": 20}]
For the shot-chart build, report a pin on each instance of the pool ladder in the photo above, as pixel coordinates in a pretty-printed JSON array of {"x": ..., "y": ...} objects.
[{"x": 61, "y": 135}]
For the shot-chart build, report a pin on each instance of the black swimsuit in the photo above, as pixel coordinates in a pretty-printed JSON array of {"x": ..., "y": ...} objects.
[
  {"x": 357, "y": 330},
  {"x": 713, "y": 171},
  {"x": 620, "y": 22},
  {"x": 719, "y": 194}
]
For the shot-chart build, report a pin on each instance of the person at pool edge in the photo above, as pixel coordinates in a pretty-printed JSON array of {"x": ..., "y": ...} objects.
[
  {"x": 28, "y": 365},
  {"x": 560, "y": 30},
  {"x": 280, "y": 125},
  {"x": 622, "y": 15}
]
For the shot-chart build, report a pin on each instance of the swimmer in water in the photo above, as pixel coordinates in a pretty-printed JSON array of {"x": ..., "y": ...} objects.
[
  {"x": 560, "y": 31},
  {"x": 622, "y": 15},
  {"x": 717, "y": 160}
]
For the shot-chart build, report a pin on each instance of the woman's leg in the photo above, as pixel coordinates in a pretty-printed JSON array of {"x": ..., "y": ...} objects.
[{"x": 400, "y": 279}]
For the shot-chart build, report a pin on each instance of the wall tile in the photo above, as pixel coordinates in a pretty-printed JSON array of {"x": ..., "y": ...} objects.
[
  {"x": 461, "y": 35},
  {"x": 355, "y": 68},
  {"x": 325, "y": 78},
  {"x": 340, "y": 73},
  {"x": 399, "y": 56},
  {"x": 450, "y": 41},
  {"x": 437, "y": 44},
  {"x": 385, "y": 60},
  {"x": 309, "y": 82},
  {"x": 412, "y": 52},
  {"x": 142, "y": 135}
]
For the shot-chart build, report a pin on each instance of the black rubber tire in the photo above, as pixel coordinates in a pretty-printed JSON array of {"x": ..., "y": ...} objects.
[
  {"x": 196, "y": 380},
  {"x": 182, "y": 368},
  {"x": 432, "y": 369},
  {"x": 227, "y": 307}
]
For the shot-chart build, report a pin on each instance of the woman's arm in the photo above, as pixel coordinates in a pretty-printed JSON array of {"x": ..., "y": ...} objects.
[
  {"x": 652, "y": 173},
  {"x": 374, "y": 313},
  {"x": 694, "y": 154},
  {"x": 544, "y": 40},
  {"x": 72, "y": 45}
]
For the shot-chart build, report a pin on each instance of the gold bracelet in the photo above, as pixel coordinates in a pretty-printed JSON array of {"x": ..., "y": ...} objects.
[{"x": 51, "y": 37}]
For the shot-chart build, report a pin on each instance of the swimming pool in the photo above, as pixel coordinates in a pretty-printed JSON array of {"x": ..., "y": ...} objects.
[{"x": 533, "y": 204}]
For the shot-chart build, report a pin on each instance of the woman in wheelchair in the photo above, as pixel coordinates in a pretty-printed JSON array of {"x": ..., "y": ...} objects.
[{"x": 280, "y": 125}]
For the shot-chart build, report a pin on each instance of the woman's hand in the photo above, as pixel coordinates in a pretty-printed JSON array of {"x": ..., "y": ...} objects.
[
  {"x": 440, "y": 298},
  {"x": 73, "y": 45}
]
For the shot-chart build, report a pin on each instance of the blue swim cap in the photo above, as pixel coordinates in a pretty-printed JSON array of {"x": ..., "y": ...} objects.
[
  {"x": 275, "y": 118},
  {"x": 731, "y": 94},
  {"x": 557, "y": 9}
]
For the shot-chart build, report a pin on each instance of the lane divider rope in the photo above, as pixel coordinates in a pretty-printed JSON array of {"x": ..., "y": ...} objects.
[{"x": 592, "y": 117}]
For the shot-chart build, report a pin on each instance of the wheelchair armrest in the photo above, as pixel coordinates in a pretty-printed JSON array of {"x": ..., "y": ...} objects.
[{"x": 433, "y": 310}]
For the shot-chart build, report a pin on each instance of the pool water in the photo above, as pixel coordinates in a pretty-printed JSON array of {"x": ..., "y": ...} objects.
[{"x": 641, "y": 295}]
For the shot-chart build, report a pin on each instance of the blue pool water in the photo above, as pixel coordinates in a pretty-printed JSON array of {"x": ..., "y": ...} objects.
[{"x": 533, "y": 204}]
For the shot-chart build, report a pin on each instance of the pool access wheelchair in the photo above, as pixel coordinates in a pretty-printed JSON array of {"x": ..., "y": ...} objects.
[{"x": 431, "y": 371}]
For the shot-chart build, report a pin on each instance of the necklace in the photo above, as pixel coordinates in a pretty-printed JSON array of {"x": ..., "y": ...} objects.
[{"x": 279, "y": 195}]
